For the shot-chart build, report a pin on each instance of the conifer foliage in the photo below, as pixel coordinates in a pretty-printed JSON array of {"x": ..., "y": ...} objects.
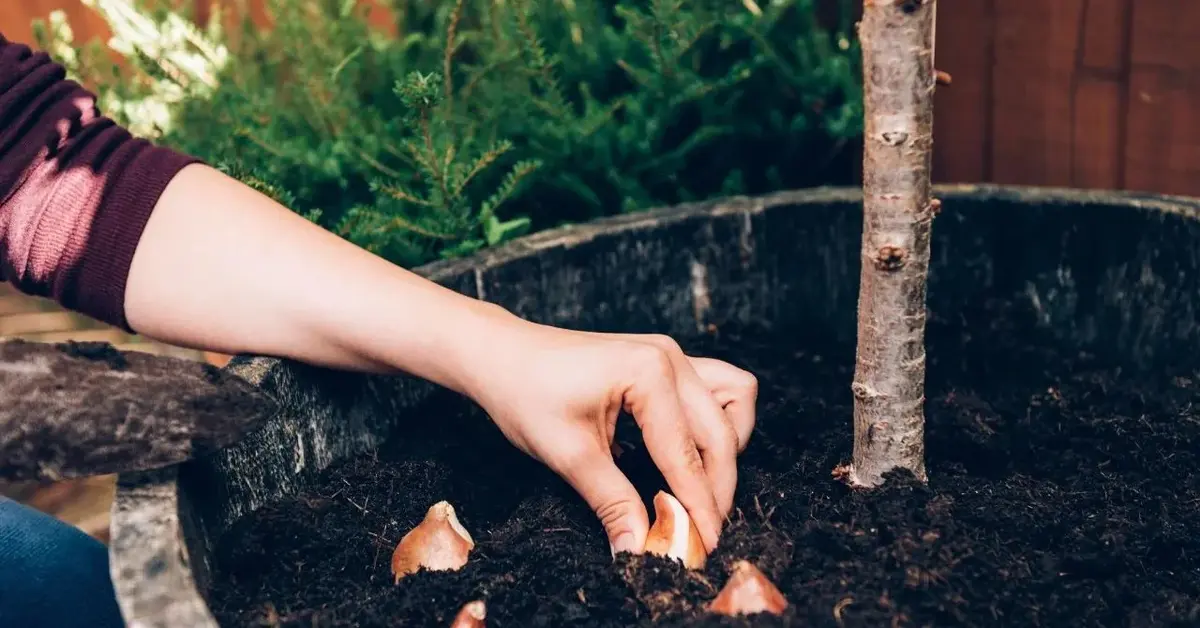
[{"x": 478, "y": 120}]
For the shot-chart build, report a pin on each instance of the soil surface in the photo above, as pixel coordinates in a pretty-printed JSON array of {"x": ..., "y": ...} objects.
[{"x": 1063, "y": 492}]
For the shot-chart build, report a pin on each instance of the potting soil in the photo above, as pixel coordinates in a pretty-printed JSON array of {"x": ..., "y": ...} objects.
[{"x": 1063, "y": 491}]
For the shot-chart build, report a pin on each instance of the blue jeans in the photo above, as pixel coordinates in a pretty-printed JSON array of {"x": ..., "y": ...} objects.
[{"x": 52, "y": 575}]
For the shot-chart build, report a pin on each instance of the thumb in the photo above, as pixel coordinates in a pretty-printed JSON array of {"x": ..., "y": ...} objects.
[{"x": 614, "y": 500}]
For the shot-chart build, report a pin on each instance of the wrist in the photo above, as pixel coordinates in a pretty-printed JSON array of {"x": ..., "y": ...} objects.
[
  {"x": 483, "y": 346},
  {"x": 453, "y": 340}
]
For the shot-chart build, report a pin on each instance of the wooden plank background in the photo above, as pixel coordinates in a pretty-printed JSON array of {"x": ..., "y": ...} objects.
[{"x": 1084, "y": 93}]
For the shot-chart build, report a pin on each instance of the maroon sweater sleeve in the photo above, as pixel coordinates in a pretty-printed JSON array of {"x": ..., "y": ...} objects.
[{"x": 76, "y": 189}]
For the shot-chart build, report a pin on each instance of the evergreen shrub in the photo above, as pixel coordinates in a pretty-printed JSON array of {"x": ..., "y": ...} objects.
[{"x": 460, "y": 124}]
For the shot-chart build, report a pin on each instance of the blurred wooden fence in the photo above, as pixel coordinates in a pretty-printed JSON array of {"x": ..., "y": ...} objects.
[{"x": 1084, "y": 93}]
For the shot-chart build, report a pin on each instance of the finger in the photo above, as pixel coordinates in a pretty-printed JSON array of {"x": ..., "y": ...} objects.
[
  {"x": 654, "y": 403},
  {"x": 594, "y": 475},
  {"x": 736, "y": 390},
  {"x": 720, "y": 465},
  {"x": 717, "y": 441},
  {"x": 715, "y": 436}
]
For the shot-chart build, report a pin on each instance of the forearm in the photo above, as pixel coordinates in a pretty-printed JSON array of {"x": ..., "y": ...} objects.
[
  {"x": 224, "y": 268},
  {"x": 109, "y": 225}
]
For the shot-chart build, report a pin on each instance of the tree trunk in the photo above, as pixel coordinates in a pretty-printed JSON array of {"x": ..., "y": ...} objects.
[{"x": 889, "y": 380}]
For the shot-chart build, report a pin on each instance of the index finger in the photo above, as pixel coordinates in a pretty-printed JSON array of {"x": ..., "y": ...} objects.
[{"x": 654, "y": 403}]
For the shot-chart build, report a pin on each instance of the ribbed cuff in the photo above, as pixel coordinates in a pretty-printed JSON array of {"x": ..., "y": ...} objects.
[{"x": 117, "y": 229}]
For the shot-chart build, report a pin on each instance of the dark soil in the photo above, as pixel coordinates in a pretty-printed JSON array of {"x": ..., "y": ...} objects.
[{"x": 1063, "y": 492}]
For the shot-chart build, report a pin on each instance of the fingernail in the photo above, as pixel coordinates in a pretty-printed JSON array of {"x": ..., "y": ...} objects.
[{"x": 623, "y": 543}]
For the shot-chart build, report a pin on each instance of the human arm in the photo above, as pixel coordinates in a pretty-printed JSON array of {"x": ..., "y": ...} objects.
[
  {"x": 222, "y": 267},
  {"x": 194, "y": 258}
]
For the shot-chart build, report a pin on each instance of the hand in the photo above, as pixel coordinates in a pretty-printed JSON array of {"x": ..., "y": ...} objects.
[{"x": 556, "y": 394}]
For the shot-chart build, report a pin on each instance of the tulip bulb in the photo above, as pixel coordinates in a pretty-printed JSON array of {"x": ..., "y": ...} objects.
[
  {"x": 472, "y": 615},
  {"x": 438, "y": 543},
  {"x": 747, "y": 592},
  {"x": 673, "y": 534}
]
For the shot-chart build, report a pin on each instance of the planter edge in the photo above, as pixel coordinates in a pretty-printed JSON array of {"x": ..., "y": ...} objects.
[{"x": 148, "y": 554}]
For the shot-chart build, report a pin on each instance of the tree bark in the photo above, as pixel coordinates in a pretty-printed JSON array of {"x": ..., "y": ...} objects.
[
  {"x": 79, "y": 409},
  {"x": 889, "y": 380}
]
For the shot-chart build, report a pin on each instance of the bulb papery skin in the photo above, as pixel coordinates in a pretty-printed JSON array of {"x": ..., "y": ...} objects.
[
  {"x": 471, "y": 615},
  {"x": 748, "y": 592},
  {"x": 438, "y": 543},
  {"x": 673, "y": 534}
]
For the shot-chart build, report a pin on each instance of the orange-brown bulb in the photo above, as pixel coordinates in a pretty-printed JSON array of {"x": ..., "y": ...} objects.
[
  {"x": 472, "y": 615},
  {"x": 438, "y": 543},
  {"x": 747, "y": 592},
  {"x": 673, "y": 534}
]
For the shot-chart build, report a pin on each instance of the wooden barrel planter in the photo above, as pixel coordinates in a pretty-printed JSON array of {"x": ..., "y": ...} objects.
[{"x": 1063, "y": 408}]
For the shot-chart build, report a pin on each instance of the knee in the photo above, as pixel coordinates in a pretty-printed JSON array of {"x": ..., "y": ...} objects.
[{"x": 52, "y": 574}]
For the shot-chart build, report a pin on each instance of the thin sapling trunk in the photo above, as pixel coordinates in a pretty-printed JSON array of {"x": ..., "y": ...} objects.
[{"x": 897, "y": 38}]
